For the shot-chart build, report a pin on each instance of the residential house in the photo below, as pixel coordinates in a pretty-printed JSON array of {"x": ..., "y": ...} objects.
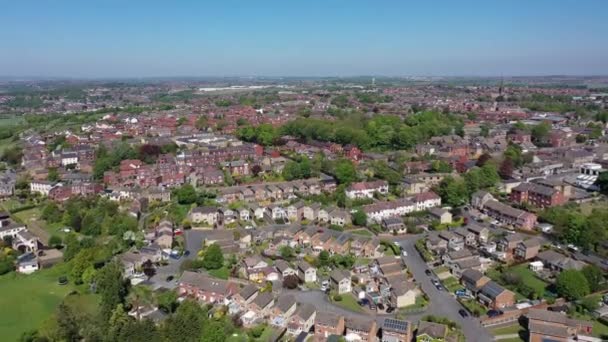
[
  {"x": 454, "y": 241},
  {"x": 327, "y": 324},
  {"x": 495, "y": 296},
  {"x": 396, "y": 330},
  {"x": 394, "y": 224},
  {"x": 285, "y": 270},
  {"x": 302, "y": 320},
  {"x": 431, "y": 332},
  {"x": 306, "y": 272},
  {"x": 473, "y": 280},
  {"x": 480, "y": 198},
  {"x": 558, "y": 262},
  {"x": 545, "y": 325},
  {"x": 403, "y": 293},
  {"x": 205, "y": 288},
  {"x": 508, "y": 243},
  {"x": 361, "y": 329},
  {"x": 442, "y": 215},
  {"x": 366, "y": 189},
  {"x": 339, "y": 217},
  {"x": 426, "y": 200},
  {"x": 468, "y": 236},
  {"x": 285, "y": 306},
  {"x": 209, "y": 216},
  {"x": 509, "y": 215},
  {"x": 340, "y": 281},
  {"x": 253, "y": 268},
  {"x": 262, "y": 303},
  {"x": 436, "y": 244},
  {"x": 246, "y": 295},
  {"x": 527, "y": 249},
  {"x": 481, "y": 233}
]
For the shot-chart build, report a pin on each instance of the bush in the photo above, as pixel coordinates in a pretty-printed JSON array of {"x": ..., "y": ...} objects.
[
  {"x": 55, "y": 241},
  {"x": 338, "y": 298}
]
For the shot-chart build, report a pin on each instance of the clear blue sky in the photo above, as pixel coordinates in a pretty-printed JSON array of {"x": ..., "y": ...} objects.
[{"x": 129, "y": 38}]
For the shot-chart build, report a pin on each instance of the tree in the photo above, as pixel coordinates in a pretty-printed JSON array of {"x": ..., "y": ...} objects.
[
  {"x": 139, "y": 331},
  {"x": 51, "y": 213},
  {"x": 67, "y": 323},
  {"x": 167, "y": 301},
  {"x": 506, "y": 168},
  {"x": 483, "y": 159},
  {"x": 215, "y": 331},
  {"x": 201, "y": 123},
  {"x": 453, "y": 192},
  {"x": 602, "y": 182},
  {"x": 594, "y": 277},
  {"x": 540, "y": 133},
  {"x": 286, "y": 252},
  {"x": 186, "y": 194},
  {"x": 53, "y": 175},
  {"x": 148, "y": 153},
  {"x": 291, "y": 282},
  {"x": 111, "y": 287},
  {"x": 186, "y": 324},
  {"x": 345, "y": 171},
  {"x": 572, "y": 285},
  {"x": 55, "y": 241},
  {"x": 149, "y": 269},
  {"x": 440, "y": 166},
  {"x": 323, "y": 259},
  {"x": 359, "y": 218},
  {"x": 213, "y": 258}
]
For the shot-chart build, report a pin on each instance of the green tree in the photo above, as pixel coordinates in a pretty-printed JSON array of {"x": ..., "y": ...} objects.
[
  {"x": 323, "y": 259},
  {"x": 540, "y": 133},
  {"x": 80, "y": 263},
  {"x": 51, "y": 213},
  {"x": 506, "y": 168},
  {"x": 286, "y": 252},
  {"x": 111, "y": 287},
  {"x": 441, "y": 166},
  {"x": 53, "y": 175},
  {"x": 453, "y": 192},
  {"x": 360, "y": 218},
  {"x": 186, "y": 324},
  {"x": 67, "y": 323},
  {"x": 186, "y": 194},
  {"x": 213, "y": 258},
  {"x": 594, "y": 276},
  {"x": 345, "y": 171},
  {"x": 572, "y": 285}
]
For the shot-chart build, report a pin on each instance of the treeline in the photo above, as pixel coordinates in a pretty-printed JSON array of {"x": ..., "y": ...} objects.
[
  {"x": 148, "y": 153},
  {"x": 382, "y": 132},
  {"x": 571, "y": 226}
]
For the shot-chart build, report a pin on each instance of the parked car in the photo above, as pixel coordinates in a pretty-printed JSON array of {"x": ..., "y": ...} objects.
[
  {"x": 494, "y": 313},
  {"x": 390, "y": 309},
  {"x": 428, "y": 272},
  {"x": 372, "y": 306},
  {"x": 463, "y": 313},
  {"x": 170, "y": 278},
  {"x": 380, "y": 306},
  {"x": 364, "y": 302},
  {"x": 404, "y": 253}
]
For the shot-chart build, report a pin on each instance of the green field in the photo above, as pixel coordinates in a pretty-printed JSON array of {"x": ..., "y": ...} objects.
[
  {"x": 27, "y": 300},
  {"x": 527, "y": 278},
  {"x": 507, "y": 330}
]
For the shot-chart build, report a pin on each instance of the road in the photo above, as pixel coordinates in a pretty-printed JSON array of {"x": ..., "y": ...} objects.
[{"x": 441, "y": 303}]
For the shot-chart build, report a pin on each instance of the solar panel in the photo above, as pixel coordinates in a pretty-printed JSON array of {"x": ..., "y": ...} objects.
[{"x": 395, "y": 324}]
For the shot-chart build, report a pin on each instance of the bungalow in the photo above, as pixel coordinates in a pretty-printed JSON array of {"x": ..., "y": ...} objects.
[{"x": 204, "y": 288}]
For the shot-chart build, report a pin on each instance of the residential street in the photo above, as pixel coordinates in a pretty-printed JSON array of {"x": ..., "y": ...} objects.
[{"x": 441, "y": 302}]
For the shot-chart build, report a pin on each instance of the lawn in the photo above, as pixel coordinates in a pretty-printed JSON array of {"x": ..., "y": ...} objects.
[
  {"x": 222, "y": 273},
  {"x": 506, "y": 330},
  {"x": 600, "y": 330},
  {"x": 29, "y": 299},
  {"x": 361, "y": 232},
  {"x": 474, "y": 307},
  {"x": 349, "y": 303},
  {"x": 451, "y": 284},
  {"x": 527, "y": 278}
]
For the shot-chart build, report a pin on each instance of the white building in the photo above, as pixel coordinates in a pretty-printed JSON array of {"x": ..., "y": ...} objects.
[{"x": 366, "y": 189}]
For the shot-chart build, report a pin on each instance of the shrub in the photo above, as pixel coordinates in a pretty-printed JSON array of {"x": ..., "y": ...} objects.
[{"x": 338, "y": 298}]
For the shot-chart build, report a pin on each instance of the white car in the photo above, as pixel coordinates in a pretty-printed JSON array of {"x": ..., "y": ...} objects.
[{"x": 404, "y": 253}]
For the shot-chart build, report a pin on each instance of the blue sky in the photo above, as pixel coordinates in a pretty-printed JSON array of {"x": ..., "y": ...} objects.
[{"x": 131, "y": 38}]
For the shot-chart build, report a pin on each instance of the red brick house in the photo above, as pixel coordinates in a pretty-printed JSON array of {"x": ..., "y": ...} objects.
[{"x": 206, "y": 289}]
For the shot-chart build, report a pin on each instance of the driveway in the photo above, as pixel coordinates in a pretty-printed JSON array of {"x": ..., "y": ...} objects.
[{"x": 441, "y": 303}]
